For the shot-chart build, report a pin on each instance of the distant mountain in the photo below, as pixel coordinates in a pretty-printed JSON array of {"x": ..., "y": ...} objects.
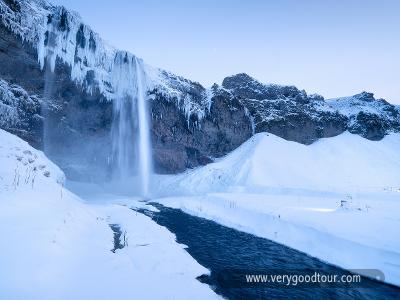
[{"x": 191, "y": 124}]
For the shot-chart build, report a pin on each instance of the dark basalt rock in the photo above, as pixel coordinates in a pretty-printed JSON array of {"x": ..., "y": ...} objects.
[
  {"x": 13, "y": 5},
  {"x": 246, "y": 87},
  {"x": 369, "y": 117},
  {"x": 20, "y": 113},
  {"x": 80, "y": 37},
  {"x": 365, "y": 96},
  {"x": 63, "y": 24},
  {"x": 92, "y": 43},
  {"x": 285, "y": 110},
  {"x": 179, "y": 145},
  {"x": 293, "y": 115},
  {"x": 370, "y": 126}
]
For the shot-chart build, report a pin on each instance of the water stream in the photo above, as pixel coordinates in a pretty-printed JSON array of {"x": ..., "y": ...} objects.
[{"x": 225, "y": 250}]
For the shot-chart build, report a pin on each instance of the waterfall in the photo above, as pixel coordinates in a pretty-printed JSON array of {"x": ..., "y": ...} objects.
[
  {"x": 44, "y": 106},
  {"x": 131, "y": 146},
  {"x": 145, "y": 155}
]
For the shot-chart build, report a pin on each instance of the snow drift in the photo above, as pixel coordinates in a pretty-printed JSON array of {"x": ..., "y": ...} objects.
[{"x": 343, "y": 163}]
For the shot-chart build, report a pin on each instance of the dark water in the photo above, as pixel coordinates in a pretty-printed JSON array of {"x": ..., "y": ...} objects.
[
  {"x": 119, "y": 237},
  {"x": 222, "y": 250}
]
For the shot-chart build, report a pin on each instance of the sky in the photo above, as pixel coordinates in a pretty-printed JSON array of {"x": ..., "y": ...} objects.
[{"x": 332, "y": 47}]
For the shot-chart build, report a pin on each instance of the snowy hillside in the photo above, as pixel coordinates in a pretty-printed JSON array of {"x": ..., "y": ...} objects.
[
  {"x": 343, "y": 163},
  {"x": 56, "y": 247}
]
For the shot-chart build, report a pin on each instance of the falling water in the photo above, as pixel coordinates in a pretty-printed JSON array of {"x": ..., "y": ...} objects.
[
  {"x": 123, "y": 138},
  {"x": 145, "y": 163},
  {"x": 44, "y": 106},
  {"x": 131, "y": 129}
]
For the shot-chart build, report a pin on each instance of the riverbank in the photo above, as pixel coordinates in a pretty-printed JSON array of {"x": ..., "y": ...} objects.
[
  {"x": 361, "y": 236},
  {"x": 231, "y": 254}
]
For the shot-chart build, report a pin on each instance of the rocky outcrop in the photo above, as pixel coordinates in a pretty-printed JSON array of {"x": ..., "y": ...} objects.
[
  {"x": 180, "y": 143},
  {"x": 20, "y": 113},
  {"x": 369, "y": 117},
  {"x": 285, "y": 110},
  {"x": 292, "y": 114}
]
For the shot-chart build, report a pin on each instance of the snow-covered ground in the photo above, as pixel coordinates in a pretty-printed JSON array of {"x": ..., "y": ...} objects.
[
  {"x": 337, "y": 199},
  {"x": 56, "y": 246}
]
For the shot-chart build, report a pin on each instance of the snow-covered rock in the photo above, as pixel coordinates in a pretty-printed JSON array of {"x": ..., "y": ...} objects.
[
  {"x": 292, "y": 114},
  {"x": 369, "y": 117},
  {"x": 20, "y": 112}
]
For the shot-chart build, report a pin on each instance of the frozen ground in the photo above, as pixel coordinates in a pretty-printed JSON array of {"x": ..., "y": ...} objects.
[
  {"x": 56, "y": 246},
  {"x": 337, "y": 199}
]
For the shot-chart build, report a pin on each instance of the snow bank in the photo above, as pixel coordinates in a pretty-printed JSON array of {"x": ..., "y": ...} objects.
[
  {"x": 24, "y": 168},
  {"x": 345, "y": 163},
  {"x": 54, "y": 246}
]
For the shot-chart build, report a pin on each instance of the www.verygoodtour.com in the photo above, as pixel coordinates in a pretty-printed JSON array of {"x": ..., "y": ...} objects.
[
  {"x": 299, "y": 278},
  {"x": 295, "y": 279}
]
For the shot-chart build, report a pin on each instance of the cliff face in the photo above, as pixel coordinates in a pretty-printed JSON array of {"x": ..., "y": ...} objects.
[
  {"x": 58, "y": 82},
  {"x": 292, "y": 114},
  {"x": 72, "y": 89},
  {"x": 180, "y": 143},
  {"x": 60, "y": 110}
]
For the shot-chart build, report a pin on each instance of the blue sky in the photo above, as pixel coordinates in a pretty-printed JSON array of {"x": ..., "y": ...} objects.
[{"x": 331, "y": 47}]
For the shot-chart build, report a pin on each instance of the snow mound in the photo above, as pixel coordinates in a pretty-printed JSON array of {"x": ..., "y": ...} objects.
[
  {"x": 23, "y": 167},
  {"x": 343, "y": 163}
]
